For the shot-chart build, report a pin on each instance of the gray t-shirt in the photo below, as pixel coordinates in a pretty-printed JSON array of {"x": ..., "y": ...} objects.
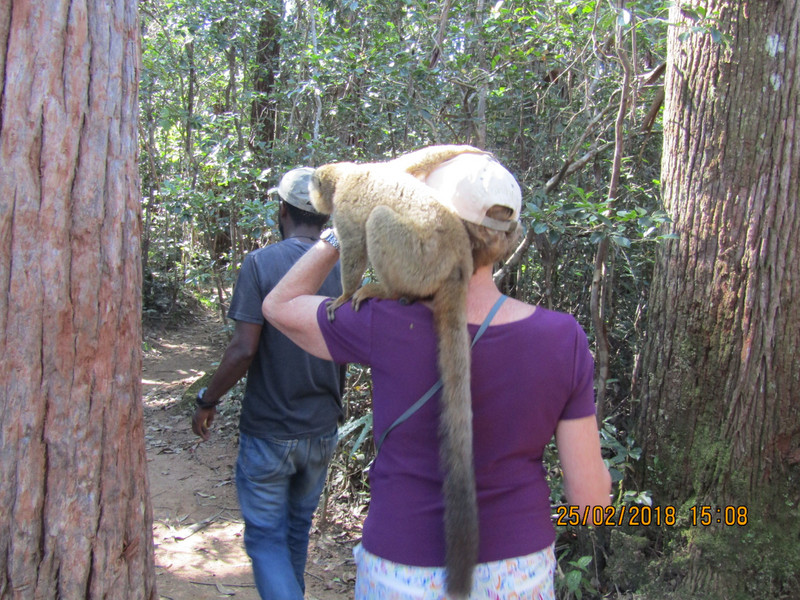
[{"x": 290, "y": 394}]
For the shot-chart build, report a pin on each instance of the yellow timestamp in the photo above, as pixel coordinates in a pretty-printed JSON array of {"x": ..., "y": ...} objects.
[
  {"x": 718, "y": 515},
  {"x": 647, "y": 516}
]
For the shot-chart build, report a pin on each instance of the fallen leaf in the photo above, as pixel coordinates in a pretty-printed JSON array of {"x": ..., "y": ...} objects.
[{"x": 224, "y": 590}]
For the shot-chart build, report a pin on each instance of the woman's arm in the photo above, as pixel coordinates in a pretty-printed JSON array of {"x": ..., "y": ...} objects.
[
  {"x": 291, "y": 306},
  {"x": 586, "y": 478}
]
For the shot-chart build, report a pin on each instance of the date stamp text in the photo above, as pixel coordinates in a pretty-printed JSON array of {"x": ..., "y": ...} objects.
[{"x": 646, "y": 516}]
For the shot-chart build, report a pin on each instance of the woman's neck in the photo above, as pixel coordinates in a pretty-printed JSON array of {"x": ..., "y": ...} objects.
[{"x": 482, "y": 293}]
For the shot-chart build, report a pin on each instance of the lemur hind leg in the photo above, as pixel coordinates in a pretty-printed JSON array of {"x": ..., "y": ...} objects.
[
  {"x": 373, "y": 289},
  {"x": 353, "y": 258}
]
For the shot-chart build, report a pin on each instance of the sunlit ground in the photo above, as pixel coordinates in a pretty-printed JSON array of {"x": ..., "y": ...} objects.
[{"x": 212, "y": 565}]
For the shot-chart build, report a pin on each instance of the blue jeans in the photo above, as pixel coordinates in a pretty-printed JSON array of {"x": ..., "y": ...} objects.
[{"x": 279, "y": 483}]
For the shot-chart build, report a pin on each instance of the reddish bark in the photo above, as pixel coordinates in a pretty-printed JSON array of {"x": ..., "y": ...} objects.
[{"x": 76, "y": 519}]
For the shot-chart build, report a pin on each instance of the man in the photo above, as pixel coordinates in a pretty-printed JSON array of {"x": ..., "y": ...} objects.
[{"x": 290, "y": 410}]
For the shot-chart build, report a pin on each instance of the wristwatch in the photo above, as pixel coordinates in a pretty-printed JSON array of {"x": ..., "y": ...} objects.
[
  {"x": 200, "y": 402},
  {"x": 329, "y": 235}
]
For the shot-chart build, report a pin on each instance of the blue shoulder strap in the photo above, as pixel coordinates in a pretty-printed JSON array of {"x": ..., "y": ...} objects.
[{"x": 438, "y": 385}]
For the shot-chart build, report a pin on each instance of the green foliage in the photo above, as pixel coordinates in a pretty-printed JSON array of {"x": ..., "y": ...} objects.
[
  {"x": 573, "y": 578},
  {"x": 234, "y": 94},
  {"x": 357, "y": 430},
  {"x": 355, "y": 81},
  {"x": 761, "y": 559},
  {"x": 620, "y": 454},
  {"x": 699, "y": 21},
  {"x": 347, "y": 481},
  {"x": 578, "y": 544}
]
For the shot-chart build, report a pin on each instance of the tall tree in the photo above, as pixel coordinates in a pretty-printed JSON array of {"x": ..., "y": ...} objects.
[
  {"x": 267, "y": 63},
  {"x": 76, "y": 520},
  {"x": 720, "y": 413}
]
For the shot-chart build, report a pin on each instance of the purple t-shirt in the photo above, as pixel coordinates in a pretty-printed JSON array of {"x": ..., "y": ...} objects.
[{"x": 526, "y": 375}]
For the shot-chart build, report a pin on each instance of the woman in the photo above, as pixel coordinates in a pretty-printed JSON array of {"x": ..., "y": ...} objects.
[{"x": 531, "y": 379}]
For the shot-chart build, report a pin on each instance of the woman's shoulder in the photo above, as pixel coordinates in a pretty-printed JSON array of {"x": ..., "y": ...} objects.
[
  {"x": 382, "y": 311},
  {"x": 534, "y": 315}
]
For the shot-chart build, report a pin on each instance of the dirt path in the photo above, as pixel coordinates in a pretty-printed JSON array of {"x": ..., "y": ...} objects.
[{"x": 198, "y": 528}]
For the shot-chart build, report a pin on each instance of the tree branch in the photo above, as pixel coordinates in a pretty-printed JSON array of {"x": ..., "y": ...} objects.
[{"x": 437, "y": 45}]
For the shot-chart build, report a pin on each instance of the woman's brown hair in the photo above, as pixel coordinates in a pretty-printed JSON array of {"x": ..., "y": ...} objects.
[{"x": 490, "y": 246}]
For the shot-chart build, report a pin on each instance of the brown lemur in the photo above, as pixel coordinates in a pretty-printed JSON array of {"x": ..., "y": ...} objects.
[{"x": 419, "y": 248}]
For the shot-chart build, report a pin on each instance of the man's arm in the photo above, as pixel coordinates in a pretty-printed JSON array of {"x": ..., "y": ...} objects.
[
  {"x": 235, "y": 362},
  {"x": 291, "y": 306}
]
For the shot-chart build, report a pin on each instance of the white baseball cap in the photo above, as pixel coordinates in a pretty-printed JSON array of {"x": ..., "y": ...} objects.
[
  {"x": 474, "y": 183},
  {"x": 293, "y": 188}
]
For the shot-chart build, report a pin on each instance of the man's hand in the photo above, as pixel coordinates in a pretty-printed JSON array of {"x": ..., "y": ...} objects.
[
  {"x": 202, "y": 420},
  {"x": 235, "y": 362}
]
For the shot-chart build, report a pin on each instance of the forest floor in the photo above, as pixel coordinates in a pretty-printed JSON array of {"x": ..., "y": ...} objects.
[{"x": 198, "y": 529}]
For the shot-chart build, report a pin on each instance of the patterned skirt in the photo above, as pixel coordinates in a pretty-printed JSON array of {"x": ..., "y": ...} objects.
[{"x": 522, "y": 578}]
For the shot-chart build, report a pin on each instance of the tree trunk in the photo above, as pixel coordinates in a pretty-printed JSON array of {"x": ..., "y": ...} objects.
[
  {"x": 601, "y": 279},
  {"x": 267, "y": 62},
  {"x": 76, "y": 520},
  {"x": 720, "y": 419},
  {"x": 482, "y": 83}
]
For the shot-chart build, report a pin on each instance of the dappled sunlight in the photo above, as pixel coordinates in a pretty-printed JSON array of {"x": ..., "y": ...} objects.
[
  {"x": 197, "y": 526},
  {"x": 213, "y": 563}
]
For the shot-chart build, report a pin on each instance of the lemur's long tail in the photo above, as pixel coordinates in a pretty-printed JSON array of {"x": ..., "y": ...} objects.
[{"x": 455, "y": 433}]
